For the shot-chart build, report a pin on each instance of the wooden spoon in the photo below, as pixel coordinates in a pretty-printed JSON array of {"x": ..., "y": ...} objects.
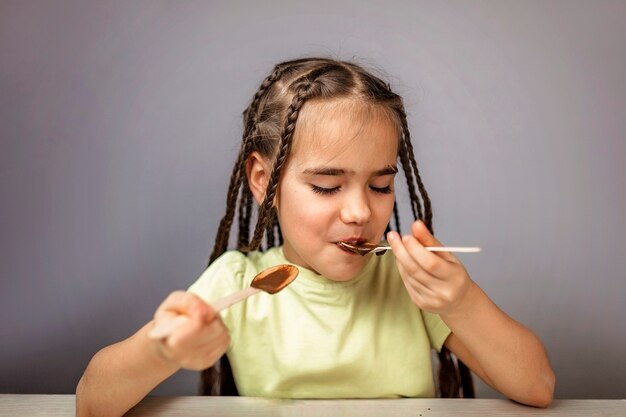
[
  {"x": 366, "y": 247},
  {"x": 270, "y": 280}
]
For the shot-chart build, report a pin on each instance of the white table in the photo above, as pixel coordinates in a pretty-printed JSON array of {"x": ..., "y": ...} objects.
[{"x": 63, "y": 405}]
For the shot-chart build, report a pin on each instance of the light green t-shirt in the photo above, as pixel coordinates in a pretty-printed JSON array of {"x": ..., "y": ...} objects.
[{"x": 318, "y": 338}]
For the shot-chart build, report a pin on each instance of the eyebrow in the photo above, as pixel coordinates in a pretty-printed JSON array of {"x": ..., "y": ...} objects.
[{"x": 388, "y": 170}]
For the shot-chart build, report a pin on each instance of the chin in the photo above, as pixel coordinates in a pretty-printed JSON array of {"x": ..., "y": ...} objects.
[
  {"x": 335, "y": 266},
  {"x": 343, "y": 272},
  {"x": 339, "y": 278}
]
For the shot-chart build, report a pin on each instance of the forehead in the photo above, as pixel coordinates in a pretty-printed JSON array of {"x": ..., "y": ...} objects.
[{"x": 333, "y": 131}]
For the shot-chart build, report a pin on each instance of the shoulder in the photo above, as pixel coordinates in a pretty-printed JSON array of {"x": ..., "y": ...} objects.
[
  {"x": 225, "y": 275},
  {"x": 230, "y": 261},
  {"x": 232, "y": 271}
]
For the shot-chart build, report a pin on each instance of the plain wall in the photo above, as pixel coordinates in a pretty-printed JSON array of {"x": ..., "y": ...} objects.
[{"x": 120, "y": 121}]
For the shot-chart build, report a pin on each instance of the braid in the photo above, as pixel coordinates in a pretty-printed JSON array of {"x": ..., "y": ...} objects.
[
  {"x": 454, "y": 378},
  {"x": 245, "y": 211},
  {"x": 284, "y": 147},
  {"x": 411, "y": 155},
  {"x": 304, "y": 87},
  {"x": 406, "y": 167},
  {"x": 218, "y": 380},
  {"x": 448, "y": 377},
  {"x": 269, "y": 128},
  {"x": 269, "y": 232},
  {"x": 279, "y": 233},
  {"x": 250, "y": 113},
  {"x": 223, "y": 231},
  {"x": 237, "y": 179},
  {"x": 396, "y": 216}
]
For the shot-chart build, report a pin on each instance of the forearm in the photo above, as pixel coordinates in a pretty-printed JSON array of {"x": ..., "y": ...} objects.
[
  {"x": 120, "y": 375},
  {"x": 511, "y": 358}
]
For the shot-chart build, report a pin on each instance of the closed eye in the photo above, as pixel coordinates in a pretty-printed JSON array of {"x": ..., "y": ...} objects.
[
  {"x": 324, "y": 191},
  {"x": 381, "y": 190},
  {"x": 329, "y": 191}
]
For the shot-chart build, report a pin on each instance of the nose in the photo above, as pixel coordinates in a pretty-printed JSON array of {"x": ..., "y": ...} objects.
[{"x": 356, "y": 209}]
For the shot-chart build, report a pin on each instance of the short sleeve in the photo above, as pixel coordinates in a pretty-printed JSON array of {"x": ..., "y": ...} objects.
[
  {"x": 437, "y": 330},
  {"x": 224, "y": 276}
]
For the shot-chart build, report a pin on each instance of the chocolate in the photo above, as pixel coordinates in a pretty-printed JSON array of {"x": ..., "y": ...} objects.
[
  {"x": 274, "y": 279},
  {"x": 360, "y": 248}
]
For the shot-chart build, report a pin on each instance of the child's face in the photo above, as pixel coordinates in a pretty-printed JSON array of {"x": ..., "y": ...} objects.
[{"x": 337, "y": 185}]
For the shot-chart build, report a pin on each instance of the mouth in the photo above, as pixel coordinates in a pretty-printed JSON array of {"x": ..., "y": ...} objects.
[{"x": 352, "y": 241}]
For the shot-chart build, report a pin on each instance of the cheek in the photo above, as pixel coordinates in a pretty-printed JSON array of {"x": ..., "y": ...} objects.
[
  {"x": 309, "y": 213},
  {"x": 388, "y": 204},
  {"x": 302, "y": 214},
  {"x": 384, "y": 210}
]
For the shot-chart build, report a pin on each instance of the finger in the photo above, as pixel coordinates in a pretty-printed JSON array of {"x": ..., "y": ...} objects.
[
  {"x": 418, "y": 292},
  {"x": 187, "y": 335},
  {"x": 421, "y": 283},
  {"x": 208, "y": 349},
  {"x": 212, "y": 332},
  {"x": 162, "y": 316},
  {"x": 403, "y": 257},
  {"x": 404, "y": 254},
  {"x": 430, "y": 262},
  {"x": 209, "y": 313},
  {"x": 182, "y": 302},
  {"x": 165, "y": 304},
  {"x": 423, "y": 235},
  {"x": 213, "y": 352}
]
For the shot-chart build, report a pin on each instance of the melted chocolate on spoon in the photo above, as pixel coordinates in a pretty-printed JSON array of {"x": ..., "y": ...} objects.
[
  {"x": 360, "y": 248},
  {"x": 274, "y": 279}
]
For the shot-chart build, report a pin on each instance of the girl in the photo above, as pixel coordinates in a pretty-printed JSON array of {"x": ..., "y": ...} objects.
[{"x": 320, "y": 151}]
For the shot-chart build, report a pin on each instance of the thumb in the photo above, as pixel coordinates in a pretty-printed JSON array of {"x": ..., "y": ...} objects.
[{"x": 423, "y": 235}]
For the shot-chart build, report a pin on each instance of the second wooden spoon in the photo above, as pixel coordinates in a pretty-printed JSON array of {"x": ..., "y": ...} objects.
[{"x": 270, "y": 280}]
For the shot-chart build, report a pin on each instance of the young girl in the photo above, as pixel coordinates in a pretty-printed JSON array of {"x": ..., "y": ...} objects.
[{"x": 320, "y": 151}]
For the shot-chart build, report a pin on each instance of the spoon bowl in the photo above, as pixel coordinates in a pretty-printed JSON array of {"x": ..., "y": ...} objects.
[{"x": 274, "y": 279}]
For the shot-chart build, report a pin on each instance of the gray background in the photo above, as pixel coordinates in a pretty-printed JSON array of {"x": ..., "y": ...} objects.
[{"x": 119, "y": 122}]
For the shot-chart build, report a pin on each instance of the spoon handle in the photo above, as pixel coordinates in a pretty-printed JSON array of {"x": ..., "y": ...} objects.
[
  {"x": 227, "y": 301},
  {"x": 167, "y": 328},
  {"x": 464, "y": 249}
]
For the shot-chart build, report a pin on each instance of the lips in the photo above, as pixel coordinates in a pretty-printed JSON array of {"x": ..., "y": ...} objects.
[{"x": 352, "y": 241}]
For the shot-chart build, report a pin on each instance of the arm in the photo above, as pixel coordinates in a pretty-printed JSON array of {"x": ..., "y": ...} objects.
[
  {"x": 502, "y": 352},
  {"x": 120, "y": 375}
]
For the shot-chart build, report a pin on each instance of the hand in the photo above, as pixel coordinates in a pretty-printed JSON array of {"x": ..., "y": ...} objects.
[
  {"x": 436, "y": 282},
  {"x": 200, "y": 341}
]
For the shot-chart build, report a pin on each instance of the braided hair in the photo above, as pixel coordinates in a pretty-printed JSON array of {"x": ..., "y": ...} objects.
[{"x": 269, "y": 124}]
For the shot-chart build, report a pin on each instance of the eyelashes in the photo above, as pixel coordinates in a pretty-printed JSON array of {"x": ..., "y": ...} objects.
[
  {"x": 334, "y": 190},
  {"x": 382, "y": 190},
  {"x": 324, "y": 191}
]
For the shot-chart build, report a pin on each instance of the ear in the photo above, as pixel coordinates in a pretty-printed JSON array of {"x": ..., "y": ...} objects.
[{"x": 258, "y": 174}]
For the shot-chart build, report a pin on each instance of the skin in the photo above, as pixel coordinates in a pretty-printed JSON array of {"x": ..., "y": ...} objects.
[
  {"x": 502, "y": 352},
  {"x": 337, "y": 185},
  {"x": 120, "y": 375},
  {"x": 332, "y": 190}
]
